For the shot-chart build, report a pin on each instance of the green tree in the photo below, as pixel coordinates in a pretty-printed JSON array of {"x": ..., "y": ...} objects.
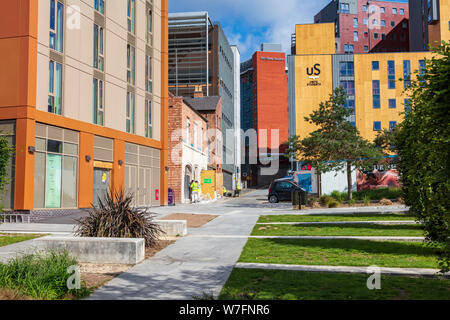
[
  {"x": 336, "y": 145},
  {"x": 423, "y": 145}
]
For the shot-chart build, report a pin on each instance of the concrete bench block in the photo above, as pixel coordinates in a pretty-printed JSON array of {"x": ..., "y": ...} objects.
[
  {"x": 173, "y": 228},
  {"x": 98, "y": 250}
]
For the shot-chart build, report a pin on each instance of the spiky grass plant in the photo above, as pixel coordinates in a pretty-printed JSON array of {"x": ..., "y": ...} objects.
[{"x": 115, "y": 217}]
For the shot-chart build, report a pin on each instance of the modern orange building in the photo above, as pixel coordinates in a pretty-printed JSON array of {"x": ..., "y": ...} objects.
[
  {"x": 83, "y": 98},
  {"x": 264, "y": 106}
]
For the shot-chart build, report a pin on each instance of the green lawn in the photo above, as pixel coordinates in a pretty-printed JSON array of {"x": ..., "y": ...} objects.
[
  {"x": 339, "y": 253},
  {"x": 246, "y": 284},
  {"x": 338, "y": 230},
  {"x": 336, "y": 218},
  {"x": 7, "y": 239}
]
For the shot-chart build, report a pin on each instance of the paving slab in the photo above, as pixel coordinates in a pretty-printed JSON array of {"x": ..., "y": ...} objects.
[{"x": 343, "y": 269}]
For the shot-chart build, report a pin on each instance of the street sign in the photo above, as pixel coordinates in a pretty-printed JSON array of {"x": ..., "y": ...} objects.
[{"x": 207, "y": 181}]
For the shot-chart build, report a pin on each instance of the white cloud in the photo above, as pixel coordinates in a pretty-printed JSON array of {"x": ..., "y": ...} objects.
[{"x": 277, "y": 19}]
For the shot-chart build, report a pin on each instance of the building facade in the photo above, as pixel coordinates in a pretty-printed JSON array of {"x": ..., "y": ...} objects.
[
  {"x": 429, "y": 23},
  {"x": 188, "y": 147},
  {"x": 84, "y": 98},
  {"x": 371, "y": 81},
  {"x": 201, "y": 56},
  {"x": 264, "y": 108},
  {"x": 363, "y": 26}
]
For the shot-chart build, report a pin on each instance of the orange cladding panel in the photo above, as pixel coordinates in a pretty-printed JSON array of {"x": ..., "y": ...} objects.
[{"x": 86, "y": 172}]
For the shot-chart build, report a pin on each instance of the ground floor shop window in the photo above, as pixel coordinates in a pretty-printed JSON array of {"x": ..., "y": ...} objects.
[{"x": 56, "y": 168}]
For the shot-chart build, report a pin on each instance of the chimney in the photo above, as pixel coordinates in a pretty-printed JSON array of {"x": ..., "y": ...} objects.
[{"x": 198, "y": 92}]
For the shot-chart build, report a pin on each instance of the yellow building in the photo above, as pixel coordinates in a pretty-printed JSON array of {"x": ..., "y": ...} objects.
[{"x": 371, "y": 80}]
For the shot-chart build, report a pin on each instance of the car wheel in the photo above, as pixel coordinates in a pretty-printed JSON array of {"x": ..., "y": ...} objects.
[{"x": 273, "y": 199}]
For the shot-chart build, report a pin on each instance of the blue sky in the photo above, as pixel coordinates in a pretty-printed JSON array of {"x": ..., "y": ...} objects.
[{"x": 248, "y": 23}]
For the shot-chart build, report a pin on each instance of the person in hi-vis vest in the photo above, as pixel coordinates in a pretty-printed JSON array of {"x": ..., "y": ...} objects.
[{"x": 195, "y": 187}]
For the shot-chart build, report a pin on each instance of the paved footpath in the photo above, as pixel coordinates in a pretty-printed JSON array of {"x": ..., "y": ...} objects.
[{"x": 188, "y": 268}]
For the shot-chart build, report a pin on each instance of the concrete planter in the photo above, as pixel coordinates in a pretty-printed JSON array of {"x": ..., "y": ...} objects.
[{"x": 98, "y": 250}]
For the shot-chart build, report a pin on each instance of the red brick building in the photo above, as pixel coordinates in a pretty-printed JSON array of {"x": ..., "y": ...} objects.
[
  {"x": 264, "y": 108},
  {"x": 368, "y": 26},
  {"x": 188, "y": 148}
]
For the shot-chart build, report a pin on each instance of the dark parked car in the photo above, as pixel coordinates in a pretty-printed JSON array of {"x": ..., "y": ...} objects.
[{"x": 281, "y": 190}]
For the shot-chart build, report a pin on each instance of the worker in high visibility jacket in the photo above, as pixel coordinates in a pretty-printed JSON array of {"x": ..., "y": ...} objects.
[
  {"x": 238, "y": 189},
  {"x": 195, "y": 187},
  {"x": 224, "y": 191}
]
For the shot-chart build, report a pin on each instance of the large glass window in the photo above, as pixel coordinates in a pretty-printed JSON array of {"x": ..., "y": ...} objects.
[
  {"x": 99, "y": 5},
  {"x": 406, "y": 73},
  {"x": 98, "y": 47},
  {"x": 98, "y": 117},
  {"x": 346, "y": 68},
  {"x": 148, "y": 74},
  {"x": 345, "y": 8},
  {"x": 56, "y": 25},
  {"x": 376, "y": 93},
  {"x": 131, "y": 55},
  {"x": 349, "y": 48},
  {"x": 392, "y": 103},
  {"x": 355, "y": 22},
  {"x": 392, "y": 125},
  {"x": 349, "y": 87},
  {"x": 55, "y": 87},
  {"x": 377, "y": 126},
  {"x": 148, "y": 119},
  {"x": 391, "y": 74},
  {"x": 355, "y": 36},
  {"x": 150, "y": 21},
  {"x": 131, "y": 14},
  {"x": 375, "y": 65},
  {"x": 56, "y": 168},
  {"x": 130, "y": 113}
]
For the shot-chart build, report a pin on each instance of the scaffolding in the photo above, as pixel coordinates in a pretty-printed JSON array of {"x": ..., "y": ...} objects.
[{"x": 189, "y": 48}]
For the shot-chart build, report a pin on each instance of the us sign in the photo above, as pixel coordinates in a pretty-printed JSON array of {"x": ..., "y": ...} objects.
[{"x": 314, "y": 74}]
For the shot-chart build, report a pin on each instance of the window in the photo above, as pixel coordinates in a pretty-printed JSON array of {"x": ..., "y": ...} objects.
[
  {"x": 98, "y": 47},
  {"x": 366, "y": 48},
  {"x": 195, "y": 136},
  {"x": 393, "y": 37},
  {"x": 148, "y": 74},
  {"x": 422, "y": 67},
  {"x": 55, "y": 87},
  {"x": 392, "y": 103},
  {"x": 130, "y": 119},
  {"x": 364, "y": 8},
  {"x": 188, "y": 131},
  {"x": 377, "y": 126},
  {"x": 374, "y": 22},
  {"x": 56, "y": 25},
  {"x": 405, "y": 25},
  {"x": 131, "y": 54},
  {"x": 402, "y": 12},
  {"x": 149, "y": 26},
  {"x": 391, "y": 74},
  {"x": 345, "y": 8},
  {"x": 346, "y": 69},
  {"x": 99, "y": 5},
  {"x": 349, "y": 87},
  {"x": 383, "y": 36},
  {"x": 382, "y": 9},
  {"x": 148, "y": 119},
  {"x": 375, "y": 35},
  {"x": 406, "y": 73},
  {"x": 365, "y": 21},
  {"x": 407, "y": 105},
  {"x": 131, "y": 13},
  {"x": 348, "y": 48},
  {"x": 376, "y": 93},
  {"x": 392, "y": 125},
  {"x": 98, "y": 102},
  {"x": 394, "y": 10},
  {"x": 56, "y": 168},
  {"x": 350, "y": 104},
  {"x": 355, "y": 36},
  {"x": 355, "y": 22},
  {"x": 383, "y": 23},
  {"x": 392, "y": 23},
  {"x": 372, "y": 9},
  {"x": 375, "y": 65},
  {"x": 366, "y": 34}
]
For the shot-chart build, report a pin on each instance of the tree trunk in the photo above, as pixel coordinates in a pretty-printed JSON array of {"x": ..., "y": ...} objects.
[{"x": 349, "y": 180}]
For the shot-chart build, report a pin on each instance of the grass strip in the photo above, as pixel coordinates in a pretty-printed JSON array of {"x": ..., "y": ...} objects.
[
  {"x": 338, "y": 230},
  {"x": 41, "y": 276},
  {"x": 336, "y": 217},
  {"x": 340, "y": 253},
  {"x": 255, "y": 284},
  {"x": 7, "y": 239}
]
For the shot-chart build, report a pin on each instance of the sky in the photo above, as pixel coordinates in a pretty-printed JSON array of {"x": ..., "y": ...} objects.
[{"x": 249, "y": 23}]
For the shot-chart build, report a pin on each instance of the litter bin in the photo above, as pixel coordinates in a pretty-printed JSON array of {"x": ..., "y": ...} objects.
[
  {"x": 170, "y": 199},
  {"x": 299, "y": 198}
]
